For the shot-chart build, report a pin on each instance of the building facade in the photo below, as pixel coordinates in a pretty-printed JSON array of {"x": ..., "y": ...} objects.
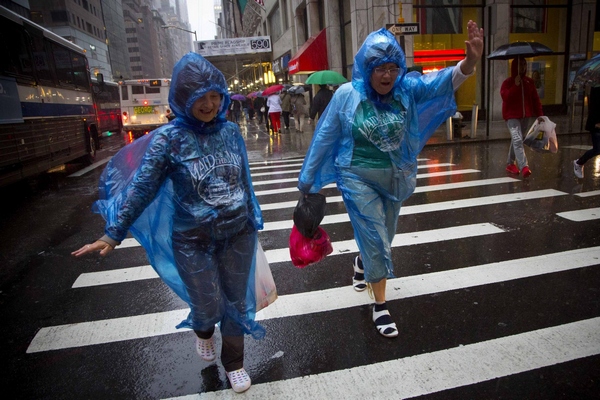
[
  {"x": 79, "y": 21},
  {"x": 123, "y": 39},
  {"x": 566, "y": 26}
]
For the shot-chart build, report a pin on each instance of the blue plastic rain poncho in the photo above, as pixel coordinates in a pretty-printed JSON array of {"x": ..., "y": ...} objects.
[
  {"x": 185, "y": 193},
  {"x": 368, "y": 143}
]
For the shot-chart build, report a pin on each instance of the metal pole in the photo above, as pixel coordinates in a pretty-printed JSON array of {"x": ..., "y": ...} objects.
[{"x": 474, "y": 116}]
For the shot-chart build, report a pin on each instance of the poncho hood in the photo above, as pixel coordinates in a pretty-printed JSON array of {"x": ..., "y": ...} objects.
[
  {"x": 379, "y": 47},
  {"x": 194, "y": 76},
  {"x": 514, "y": 68}
]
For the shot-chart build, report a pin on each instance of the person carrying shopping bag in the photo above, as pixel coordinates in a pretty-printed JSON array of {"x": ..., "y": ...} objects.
[
  {"x": 185, "y": 192},
  {"x": 367, "y": 141},
  {"x": 520, "y": 102}
]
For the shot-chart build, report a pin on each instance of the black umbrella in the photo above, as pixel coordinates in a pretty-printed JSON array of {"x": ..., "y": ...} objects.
[{"x": 519, "y": 49}]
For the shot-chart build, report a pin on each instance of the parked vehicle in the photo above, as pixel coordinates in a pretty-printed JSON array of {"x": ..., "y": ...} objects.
[
  {"x": 108, "y": 106},
  {"x": 47, "y": 113}
]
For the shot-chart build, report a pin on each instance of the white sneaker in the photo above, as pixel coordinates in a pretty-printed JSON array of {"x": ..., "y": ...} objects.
[
  {"x": 239, "y": 379},
  {"x": 578, "y": 169},
  {"x": 206, "y": 348}
]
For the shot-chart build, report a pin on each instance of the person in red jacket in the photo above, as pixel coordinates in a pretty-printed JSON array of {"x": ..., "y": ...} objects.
[{"x": 520, "y": 102}]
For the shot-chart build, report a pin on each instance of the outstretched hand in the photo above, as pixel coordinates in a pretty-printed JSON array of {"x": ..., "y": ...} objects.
[
  {"x": 474, "y": 48},
  {"x": 99, "y": 245}
]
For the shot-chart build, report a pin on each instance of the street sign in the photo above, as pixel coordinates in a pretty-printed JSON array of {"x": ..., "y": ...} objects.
[{"x": 404, "y": 29}]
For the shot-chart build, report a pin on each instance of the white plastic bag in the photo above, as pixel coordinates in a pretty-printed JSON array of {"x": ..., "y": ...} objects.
[
  {"x": 266, "y": 292},
  {"x": 541, "y": 137}
]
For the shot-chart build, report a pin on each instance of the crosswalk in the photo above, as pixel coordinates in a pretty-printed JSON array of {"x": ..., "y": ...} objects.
[{"x": 480, "y": 218}]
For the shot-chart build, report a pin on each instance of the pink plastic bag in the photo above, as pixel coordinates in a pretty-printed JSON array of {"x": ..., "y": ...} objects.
[{"x": 305, "y": 251}]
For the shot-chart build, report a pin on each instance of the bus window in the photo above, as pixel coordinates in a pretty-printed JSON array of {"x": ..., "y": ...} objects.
[
  {"x": 124, "y": 92},
  {"x": 137, "y": 89},
  {"x": 152, "y": 90},
  {"x": 64, "y": 69},
  {"x": 40, "y": 48},
  {"x": 15, "y": 59},
  {"x": 80, "y": 73},
  {"x": 41, "y": 60}
]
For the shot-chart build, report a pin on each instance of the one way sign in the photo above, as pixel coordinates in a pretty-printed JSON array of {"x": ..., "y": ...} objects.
[{"x": 404, "y": 29}]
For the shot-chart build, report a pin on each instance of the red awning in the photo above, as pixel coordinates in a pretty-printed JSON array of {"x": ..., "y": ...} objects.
[{"x": 311, "y": 57}]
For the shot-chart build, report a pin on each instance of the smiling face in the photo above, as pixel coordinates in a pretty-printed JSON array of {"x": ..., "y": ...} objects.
[
  {"x": 207, "y": 106},
  {"x": 383, "y": 77}
]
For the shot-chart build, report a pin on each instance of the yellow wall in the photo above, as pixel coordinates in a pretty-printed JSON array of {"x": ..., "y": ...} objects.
[{"x": 466, "y": 95}]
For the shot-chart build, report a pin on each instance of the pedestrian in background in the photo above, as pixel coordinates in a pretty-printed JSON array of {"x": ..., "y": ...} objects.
[
  {"x": 320, "y": 102},
  {"x": 593, "y": 126},
  {"x": 197, "y": 221},
  {"x": 250, "y": 107},
  {"x": 286, "y": 108},
  {"x": 367, "y": 141},
  {"x": 259, "y": 104},
  {"x": 274, "y": 110},
  {"x": 300, "y": 110},
  {"x": 520, "y": 102},
  {"x": 236, "y": 110}
]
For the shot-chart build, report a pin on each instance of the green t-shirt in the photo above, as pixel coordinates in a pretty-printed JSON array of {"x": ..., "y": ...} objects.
[{"x": 376, "y": 133}]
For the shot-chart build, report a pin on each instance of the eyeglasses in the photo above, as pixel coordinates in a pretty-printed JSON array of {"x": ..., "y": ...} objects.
[{"x": 391, "y": 71}]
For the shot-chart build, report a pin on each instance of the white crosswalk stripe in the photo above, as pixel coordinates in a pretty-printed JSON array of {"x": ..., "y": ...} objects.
[
  {"x": 128, "y": 328},
  {"x": 420, "y": 374}
]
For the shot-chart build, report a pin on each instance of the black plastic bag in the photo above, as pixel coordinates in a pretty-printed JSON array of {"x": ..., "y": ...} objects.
[{"x": 309, "y": 213}]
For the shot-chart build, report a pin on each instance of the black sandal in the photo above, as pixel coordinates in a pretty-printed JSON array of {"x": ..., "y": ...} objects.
[
  {"x": 383, "y": 321},
  {"x": 358, "y": 280}
]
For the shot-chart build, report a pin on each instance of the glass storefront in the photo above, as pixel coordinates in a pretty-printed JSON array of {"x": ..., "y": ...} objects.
[{"x": 443, "y": 32}]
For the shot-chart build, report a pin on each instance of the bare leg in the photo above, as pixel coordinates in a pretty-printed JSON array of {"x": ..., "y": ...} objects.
[{"x": 379, "y": 290}]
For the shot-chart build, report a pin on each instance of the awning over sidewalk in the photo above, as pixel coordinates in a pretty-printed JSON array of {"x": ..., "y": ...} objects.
[{"x": 311, "y": 57}]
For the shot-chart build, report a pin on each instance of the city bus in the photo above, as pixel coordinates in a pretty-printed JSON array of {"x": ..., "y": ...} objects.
[
  {"x": 144, "y": 105},
  {"x": 108, "y": 106},
  {"x": 47, "y": 115}
]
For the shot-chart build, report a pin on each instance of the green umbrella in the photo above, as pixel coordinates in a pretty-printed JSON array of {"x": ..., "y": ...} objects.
[{"x": 326, "y": 77}]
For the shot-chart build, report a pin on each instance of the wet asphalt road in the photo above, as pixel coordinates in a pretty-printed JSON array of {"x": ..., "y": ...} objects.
[{"x": 496, "y": 296}]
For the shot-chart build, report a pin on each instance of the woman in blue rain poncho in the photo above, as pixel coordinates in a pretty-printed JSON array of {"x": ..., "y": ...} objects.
[
  {"x": 185, "y": 193},
  {"x": 367, "y": 141}
]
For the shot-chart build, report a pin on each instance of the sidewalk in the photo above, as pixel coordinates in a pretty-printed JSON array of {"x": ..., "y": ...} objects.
[{"x": 498, "y": 131}]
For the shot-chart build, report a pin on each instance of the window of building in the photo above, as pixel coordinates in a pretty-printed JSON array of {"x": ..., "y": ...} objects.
[
  {"x": 37, "y": 17},
  {"x": 85, "y": 5},
  {"x": 533, "y": 20},
  {"x": 284, "y": 15},
  {"x": 346, "y": 39},
  {"x": 440, "y": 16},
  {"x": 275, "y": 23},
  {"x": 89, "y": 27},
  {"x": 528, "y": 16},
  {"x": 59, "y": 16}
]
